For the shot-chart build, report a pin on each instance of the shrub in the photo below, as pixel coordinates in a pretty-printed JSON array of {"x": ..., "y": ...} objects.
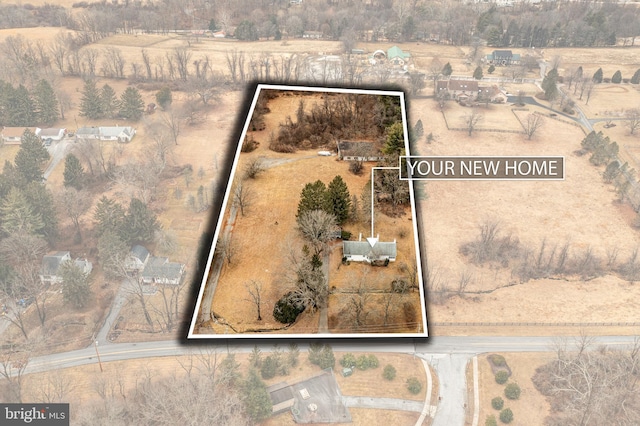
[
  {"x": 362, "y": 362},
  {"x": 413, "y": 385},
  {"x": 285, "y": 311},
  {"x": 345, "y": 235},
  {"x": 501, "y": 377},
  {"x": 356, "y": 167},
  {"x": 389, "y": 372},
  {"x": 491, "y": 421},
  {"x": 373, "y": 361},
  {"x": 506, "y": 415},
  {"x": 617, "y": 77},
  {"x": 497, "y": 360},
  {"x": 348, "y": 360},
  {"x": 249, "y": 144},
  {"x": 497, "y": 403},
  {"x": 512, "y": 391},
  {"x": 399, "y": 286}
]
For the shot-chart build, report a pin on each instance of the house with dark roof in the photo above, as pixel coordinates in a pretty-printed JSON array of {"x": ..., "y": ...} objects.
[
  {"x": 137, "y": 258},
  {"x": 50, "y": 272},
  {"x": 358, "y": 151},
  {"x": 503, "y": 58},
  {"x": 158, "y": 270},
  {"x": 369, "y": 250}
]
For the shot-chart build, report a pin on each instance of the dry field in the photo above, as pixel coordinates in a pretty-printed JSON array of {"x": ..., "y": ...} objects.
[
  {"x": 492, "y": 117},
  {"x": 609, "y": 59},
  {"x": 267, "y": 234},
  {"x": 581, "y": 210},
  {"x": 532, "y": 407}
]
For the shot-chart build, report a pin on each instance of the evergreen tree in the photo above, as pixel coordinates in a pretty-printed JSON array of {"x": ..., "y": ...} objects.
[
  {"x": 109, "y": 102},
  {"x": 30, "y": 158},
  {"x": 164, "y": 97},
  {"x": 491, "y": 69},
  {"x": 6, "y": 92},
  {"x": 140, "y": 223},
  {"x": 91, "y": 104},
  {"x": 617, "y": 77},
  {"x": 18, "y": 215},
  {"x": 246, "y": 30},
  {"x": 21, "y": 111},
  {"x": 636, "y": 77},
  {"x": 109, "y": 217},
  {"x": 73, "y": 172},
  {"x": 46, "y": 103},
  {"x": 41, "y": 201},
  {"x": 394, "y": 144},
  {"x": 131, "y": 104},
  {"x": 447, "y": 70},
  {"x": 76, "y": 288},
  {"x": 256, "y": 398},
  {"x": 313, "y": 197},
  {"x": 477, "y": 73},
  {"x": 338, "y": 199},
  {"x": 597, "y": 76},
  {"x": 113, "y": 251},
  {"x": 549, "y": 84}
]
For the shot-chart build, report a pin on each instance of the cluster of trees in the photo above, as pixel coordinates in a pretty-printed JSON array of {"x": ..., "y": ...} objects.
[
  {"x": 545, "y": 25},
  {"x": 28, "y": 225},
  {"x": 103, "y": 103},
  {"x": 339, "y": 117},
  {"x": 334, "y": 199},
  {"x": 277, "y": 362},
  {"x": 602, "y": 149},
  {"x": 20, "y": 107},
  {"x": 586, "y": 384}
]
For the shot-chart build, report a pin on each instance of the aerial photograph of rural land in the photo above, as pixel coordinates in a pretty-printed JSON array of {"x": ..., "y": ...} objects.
[
  {"x": 137, "y": 163},
  {"x": 313, "y": 250}
]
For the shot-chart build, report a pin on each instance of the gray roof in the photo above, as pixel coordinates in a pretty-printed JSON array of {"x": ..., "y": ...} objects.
[
  {"x": 363, "y": 248},
  {"x": 88, "y": 131},
  {"x": 116, "y": 131},
  {"x": 51, "y": 263},
  {"x": 139, "y": 252},
  {"x": 160, "y": 267},
  {"x": 362, "y": 149},
  {"x": 50, "y": 132}
]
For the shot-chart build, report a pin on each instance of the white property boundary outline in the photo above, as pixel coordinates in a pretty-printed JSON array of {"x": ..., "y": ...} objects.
[{"x": 227, "y": 196}]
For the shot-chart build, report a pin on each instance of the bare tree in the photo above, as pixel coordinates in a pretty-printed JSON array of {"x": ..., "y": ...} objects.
[
  {"x": 632, "y": 117},
  {"x": 169, "y": 310},
  {"x": 226, "y": 248},
  {"x": 137, "y": 288},
  {"x": 13, "y": 363},
  {"x": 57, "y": 387},
  {"x": 358, "y": 305},
  {"x": 243, "y": 197},
  {"x": 173, "y": 123},
  {"x": 254, "y": 288},
  {"x": 182, "y": 57},
  {"x": 24, "y": 252},
  {"x": 318, "y": 227},
  {"x": 472, "y": 118},
  {"x": 435, "y": 71},
  {"x": 532, "y": 123},
  {"x": 74, "y": 203}
]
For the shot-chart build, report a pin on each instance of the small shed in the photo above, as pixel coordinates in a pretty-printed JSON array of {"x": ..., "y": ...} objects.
[{"x": 358, "y": 151}]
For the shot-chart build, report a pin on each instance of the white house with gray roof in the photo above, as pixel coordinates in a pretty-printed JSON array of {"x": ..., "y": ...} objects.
[
  {"x": 364, "y": 251},
  {"x": 51, "y": 263},
  {"x": 158, "y": 270}
]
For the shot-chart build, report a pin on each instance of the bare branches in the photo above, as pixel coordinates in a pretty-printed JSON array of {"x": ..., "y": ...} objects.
[
  {"x": 532, "y": 123},
  {"x": 254, "y": 288}
]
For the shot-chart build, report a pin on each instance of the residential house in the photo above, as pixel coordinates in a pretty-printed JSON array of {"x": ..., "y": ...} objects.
[
  {"x": 113, "y": 133},
  {"x": 491, "y": 94},
  {"x": 54, "y": 134},
  {"x": 503, "y": 58},
  {"x": 137, "y": 259},
  {"x": 316, "y": 35},
  {"x": 396, "y": 56},
  {"x": 158, "y": 270},
  {"x": 460, "y": 90},
  {"x": 13, "y": 135},
  {"x": 365, "y": 251},
  {"x": 87, "y": 133},
  {"x": 117, "y": 133},
  {"x": 50, "y": 272},
  {"x": 358, "y": 151}
]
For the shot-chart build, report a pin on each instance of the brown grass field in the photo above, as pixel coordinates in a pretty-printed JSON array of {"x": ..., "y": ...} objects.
[{"x": 581, "y": 209}]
